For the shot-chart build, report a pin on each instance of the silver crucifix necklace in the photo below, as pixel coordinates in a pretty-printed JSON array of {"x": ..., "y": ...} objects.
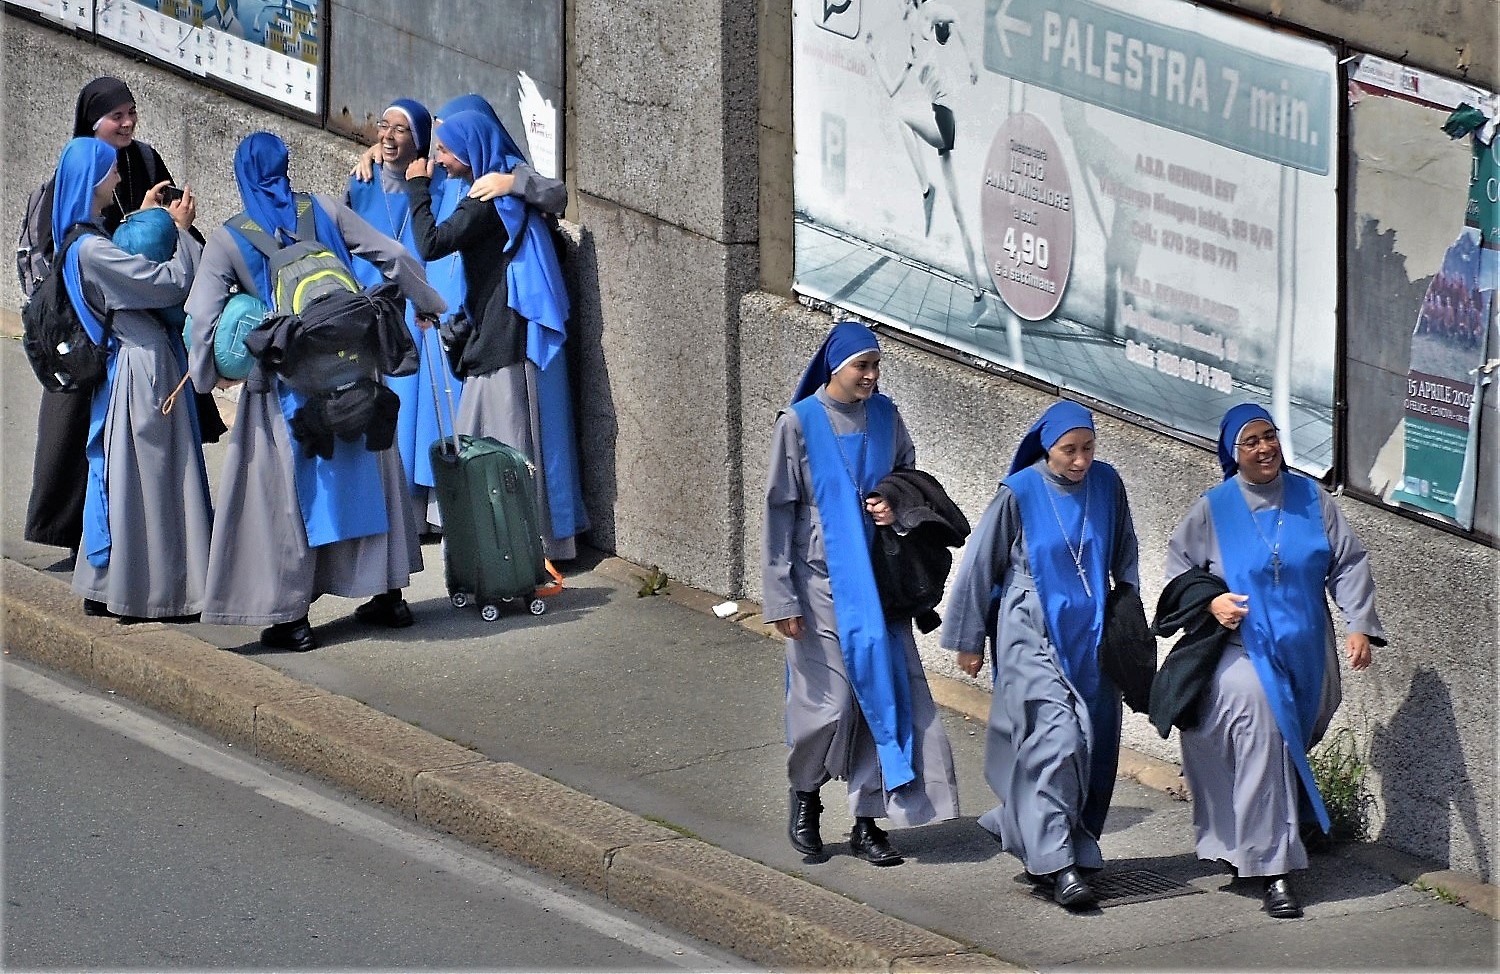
[{"x": 1076, "y": 555}]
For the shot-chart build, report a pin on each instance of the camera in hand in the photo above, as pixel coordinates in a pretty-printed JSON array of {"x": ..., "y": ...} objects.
[{"x": 170, "y": 194}]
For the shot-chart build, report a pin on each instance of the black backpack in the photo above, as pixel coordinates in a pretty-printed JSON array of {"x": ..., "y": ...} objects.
[
  {"x": 34, "y": 245},
  {"x": 61, "y": 353}
]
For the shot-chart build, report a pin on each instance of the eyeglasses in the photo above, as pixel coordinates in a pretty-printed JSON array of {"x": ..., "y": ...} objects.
[
  {"x": 1268, "y": 437},
  {"x": 383, "y": 127}
]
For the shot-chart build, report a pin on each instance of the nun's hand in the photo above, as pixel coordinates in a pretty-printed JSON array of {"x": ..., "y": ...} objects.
[
  {"x": 971, "y": 663},
  {"x": 152, "y": 199},
  {"x": 1358, "y": 648},
  {"x": 880, "y": 510},
  {"x": 492, "y": 186},
  {"x": 790, "y": 628},
  {"x": 185, "y": 209},
  {"x": 1229, "y": 609},
  {"x": 364, "y": 166},
  {"x": 420, "y": 168}
]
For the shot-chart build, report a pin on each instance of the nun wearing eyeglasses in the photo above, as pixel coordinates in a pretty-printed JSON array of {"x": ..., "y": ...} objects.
[
  {"x": 1277, "y": 542},
  {"x": 405, "y": 134},
  {"x": 858, "y": 707},
  {"x": 1033, "y": 581}
]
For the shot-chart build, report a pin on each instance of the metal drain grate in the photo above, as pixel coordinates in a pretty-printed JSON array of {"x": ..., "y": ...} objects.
[{"x": 1136, "y": 886}]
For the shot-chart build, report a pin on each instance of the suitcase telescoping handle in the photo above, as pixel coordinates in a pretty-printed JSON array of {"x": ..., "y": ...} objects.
[{"x": 438, "y": 365}]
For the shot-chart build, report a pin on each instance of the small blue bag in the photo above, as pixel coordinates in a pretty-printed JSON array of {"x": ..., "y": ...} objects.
[
  {"x": 242, "y": 313},
  {"x": 151, "y": 234}
]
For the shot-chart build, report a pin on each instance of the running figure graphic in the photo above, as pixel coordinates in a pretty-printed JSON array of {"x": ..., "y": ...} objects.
[{"x": 933, "y": 42}]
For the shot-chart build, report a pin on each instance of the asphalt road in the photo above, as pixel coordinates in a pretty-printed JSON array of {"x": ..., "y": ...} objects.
[{"x": 131, "y": 844}]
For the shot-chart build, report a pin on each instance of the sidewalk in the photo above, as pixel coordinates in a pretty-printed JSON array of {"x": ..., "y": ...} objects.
[{"x": 632, "y": 746}]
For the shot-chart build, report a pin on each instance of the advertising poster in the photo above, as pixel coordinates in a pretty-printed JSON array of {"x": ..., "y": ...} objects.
[
  {"x": 69, "y": 13},
  {"x": 1133, "y": 201},
  {"x": 269, "y": 47},
  {"x": 1448, "y": 344}
]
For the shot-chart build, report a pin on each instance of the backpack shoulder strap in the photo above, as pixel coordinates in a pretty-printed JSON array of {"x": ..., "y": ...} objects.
[
  {"x": 307, "y": 217},
  {"x": 242, "y": 224}
]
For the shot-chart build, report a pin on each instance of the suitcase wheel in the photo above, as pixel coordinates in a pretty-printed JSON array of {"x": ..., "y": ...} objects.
[
  {"x": 538, "y": 606},
  {"x": 459, "y": 599},
  {"x": 489, "y": 613}
]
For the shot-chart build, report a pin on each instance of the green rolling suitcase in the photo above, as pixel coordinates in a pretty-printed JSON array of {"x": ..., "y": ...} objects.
[
  {"x": 492, "y": 548},
  {"x": 492, "y": 541}
]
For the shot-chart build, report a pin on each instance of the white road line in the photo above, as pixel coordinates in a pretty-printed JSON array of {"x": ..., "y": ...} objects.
[{"x": 160, "y": 737}]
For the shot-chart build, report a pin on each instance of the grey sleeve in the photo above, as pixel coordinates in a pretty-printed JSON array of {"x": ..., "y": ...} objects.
[
  {"x": 127, "y": 281},
  {"x": 1350, "y": 581},
  {"x": 905, "y": 452},
  {"x": 395, "y": 262},
  {"x": 1192, "y": 544},
  {"x": 547, "y": 195},
  {"x": 217, "y": 274},
  {"x": 985, "y": 563},
  {"x": 784, "y": 492}
]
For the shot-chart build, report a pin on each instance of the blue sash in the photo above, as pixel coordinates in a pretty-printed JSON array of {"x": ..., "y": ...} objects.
[
  {"x": 1075, "y": 618},
  {"x": 873, "y": 657},
  {"x": 420, "y": 420},
  {"x": 1286, "y": 632}
]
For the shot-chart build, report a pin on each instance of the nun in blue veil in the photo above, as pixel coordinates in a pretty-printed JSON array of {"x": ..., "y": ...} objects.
[
  {"x": 508, "y": 346},
  {"x": 146, "y": 512},
  {"x": 405, "y": 134},
  {"x": 290, "y": 526},
  {"x": 858, "y": 707},
  {"x": 1281, "y": 545},
  {"x": 1033, "y": 582}
]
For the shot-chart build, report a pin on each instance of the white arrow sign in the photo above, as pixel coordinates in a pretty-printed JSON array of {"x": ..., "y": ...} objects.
[{"x": 1005, "y": 22}]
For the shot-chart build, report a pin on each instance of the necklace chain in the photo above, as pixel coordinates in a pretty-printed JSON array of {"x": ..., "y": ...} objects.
[
  {"x": 1275, "y": 549},
  {"x": 849, "y": 468},
  {"x": 125, "y": 157},
  {"x": 391, "y": 217},
  {"x": 1083, "y": 522}
]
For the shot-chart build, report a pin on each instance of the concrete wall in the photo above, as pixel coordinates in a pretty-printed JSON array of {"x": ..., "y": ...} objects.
[{"x": 663, "y": 137}]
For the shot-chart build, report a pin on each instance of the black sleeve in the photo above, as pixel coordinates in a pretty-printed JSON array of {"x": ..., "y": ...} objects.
[{"x": 471, "y": 223}]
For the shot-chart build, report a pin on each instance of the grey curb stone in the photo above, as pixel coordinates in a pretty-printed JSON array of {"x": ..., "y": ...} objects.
[{"x": 757, "y": 912}]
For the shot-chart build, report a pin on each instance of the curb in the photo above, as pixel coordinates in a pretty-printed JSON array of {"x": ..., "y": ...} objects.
[
  {"x": 740, "y": 905},
  {"x": 1462, "y": 888}
]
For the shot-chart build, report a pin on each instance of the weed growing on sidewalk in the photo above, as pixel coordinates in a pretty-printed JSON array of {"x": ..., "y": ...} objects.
[
  {"x": 1339, "y": 770},
  {"x": 654, "y": 583}
]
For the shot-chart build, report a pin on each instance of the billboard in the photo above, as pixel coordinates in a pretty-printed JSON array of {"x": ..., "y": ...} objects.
[
  {"x": 1133, "y": 201},
  {"x": 1425, "y": 240},
  {"x": 272, "y": 49}
]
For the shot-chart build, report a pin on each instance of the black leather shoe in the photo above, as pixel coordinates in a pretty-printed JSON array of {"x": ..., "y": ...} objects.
[
  {"x": 802, "y": 826},
  {"x": 296, "y": 635},
  {"x": 1071, "y": 890},
  {"x": 389, "y": 610},
  {"x": 868, "y": 841},
  {"x": 1281, "y": 902},
  {"x": 92, "y": 607}
]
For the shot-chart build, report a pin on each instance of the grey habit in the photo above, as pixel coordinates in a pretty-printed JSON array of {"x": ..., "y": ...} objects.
[
  {"x": 159, "y": 510},
  {"x": 260, "y": 569},
  {"x": 1039, "y": 741},
  {"x": 1245, "y": 788},
  {"x": 825, "y": 730}
]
